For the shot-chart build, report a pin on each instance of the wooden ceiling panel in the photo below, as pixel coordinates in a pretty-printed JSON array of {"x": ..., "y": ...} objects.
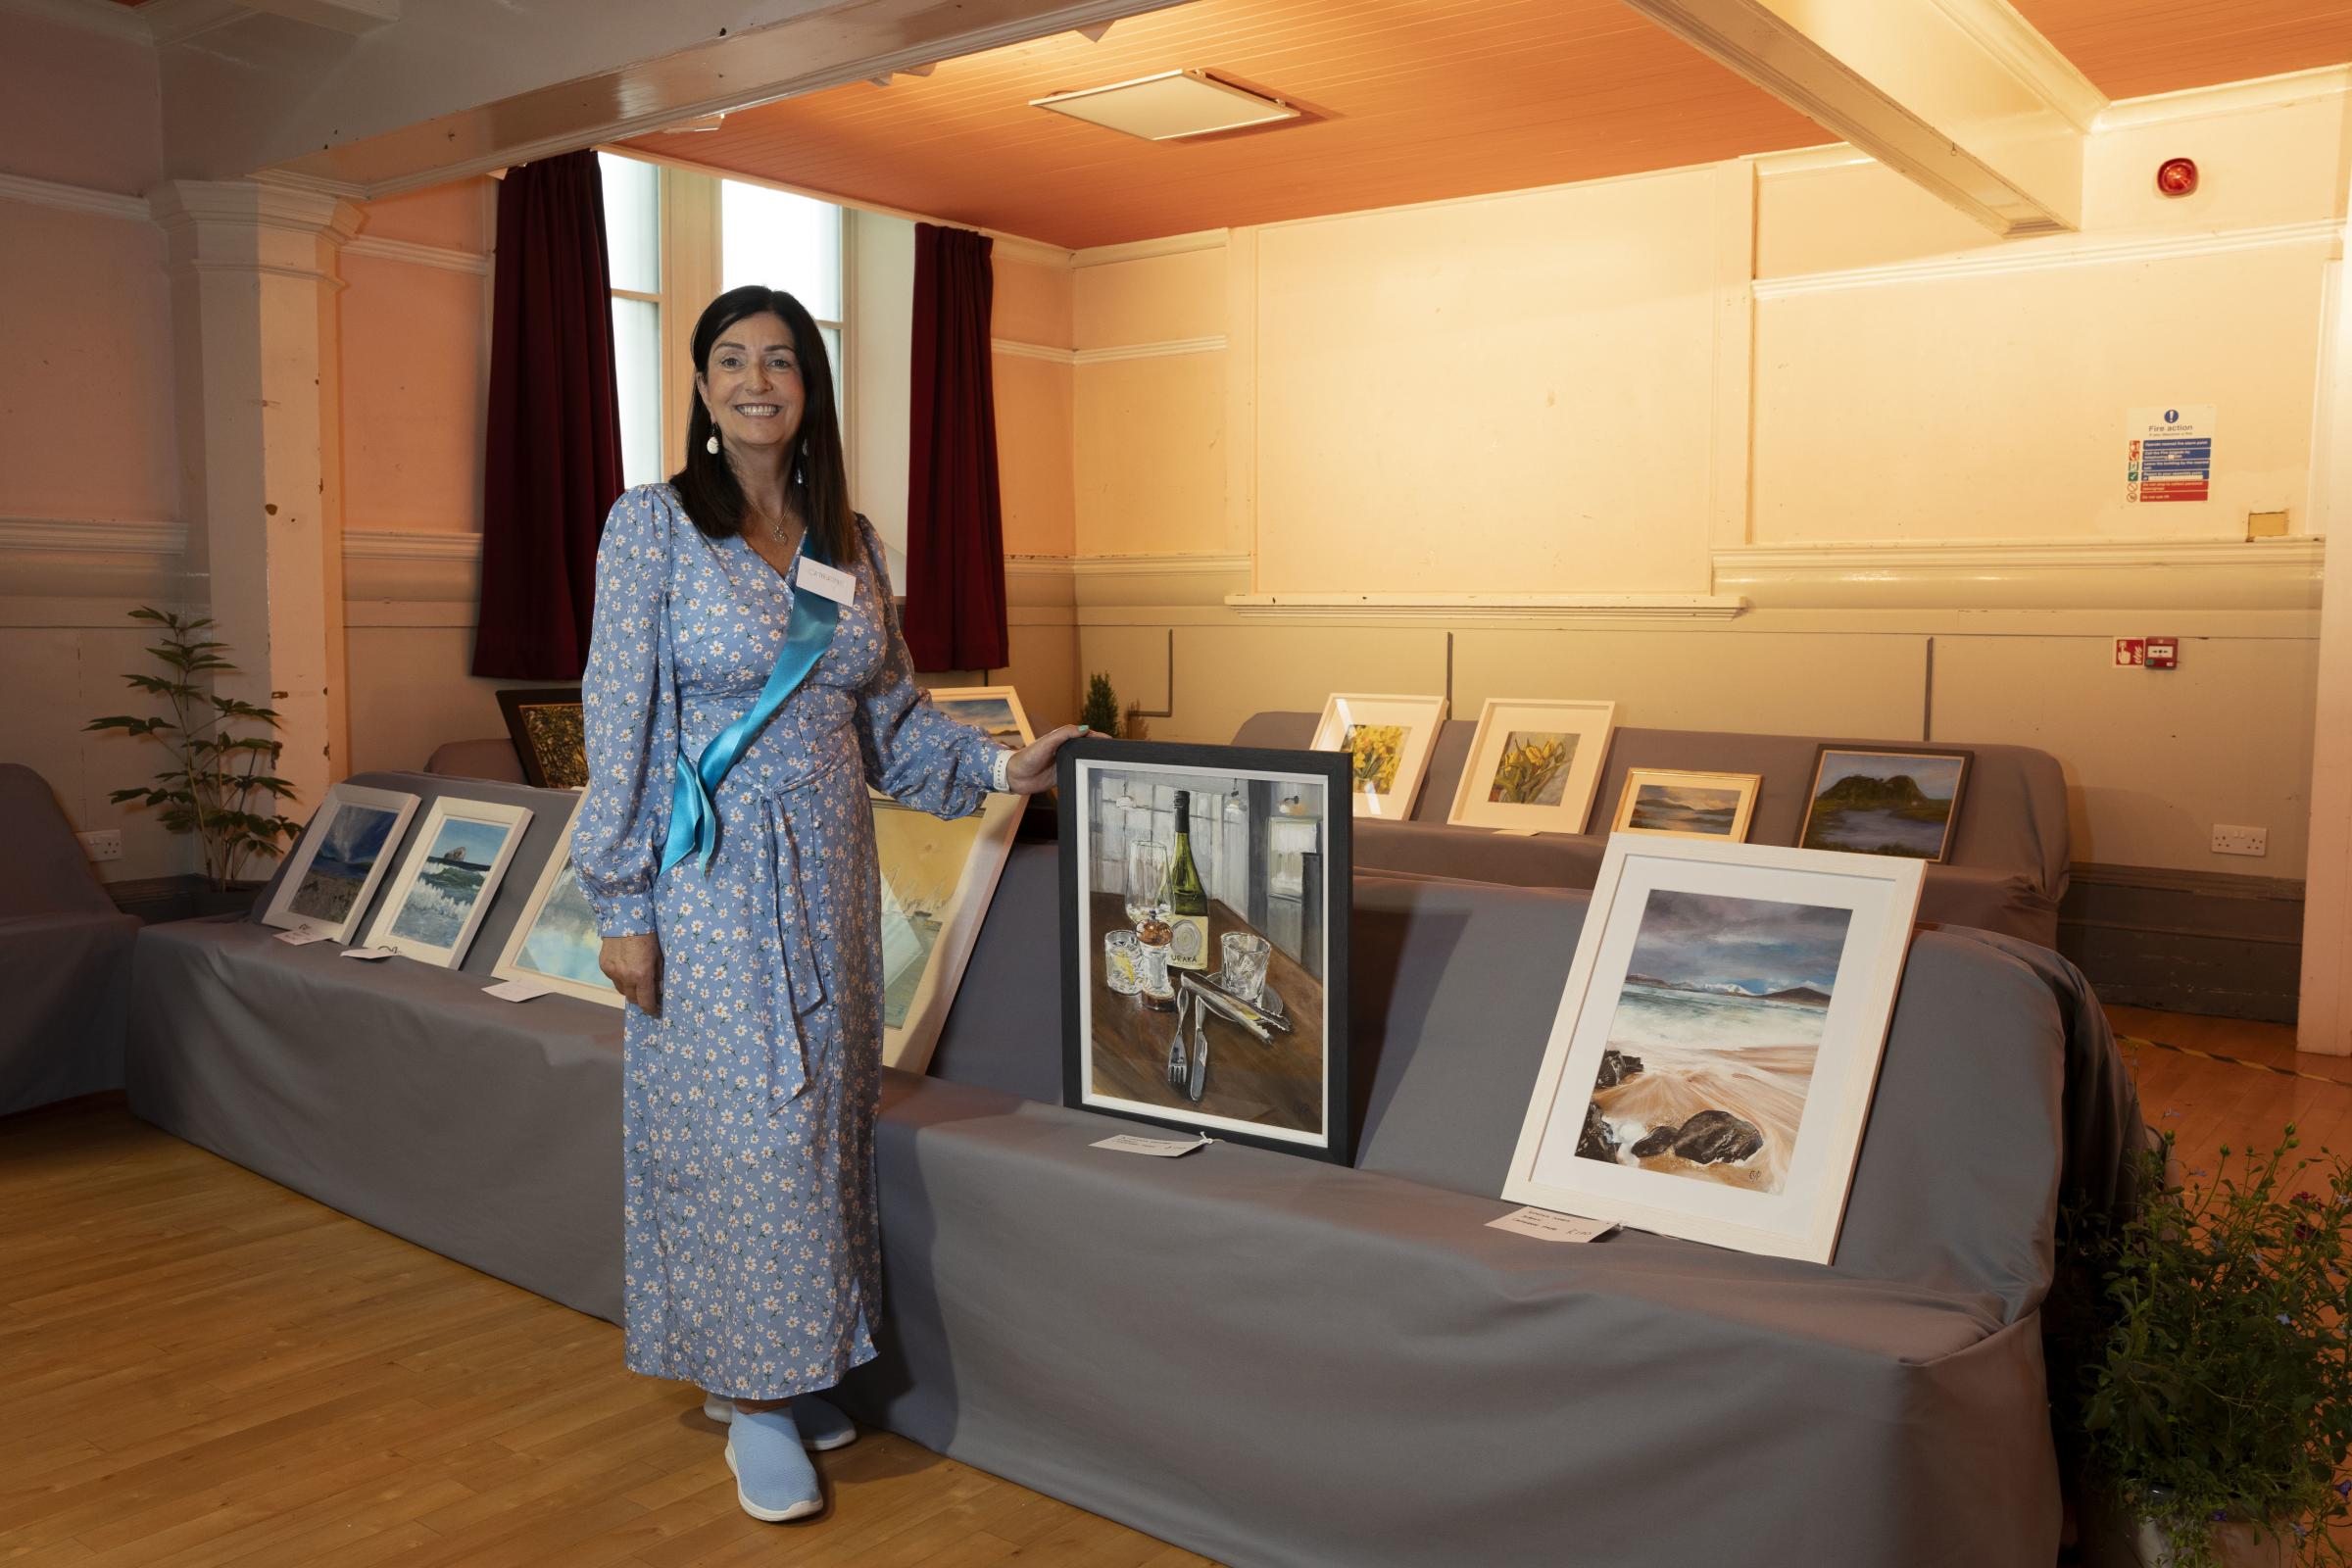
[
  {"x": 1407, "y": 101},
  {"x": 2130, "y": 48}
]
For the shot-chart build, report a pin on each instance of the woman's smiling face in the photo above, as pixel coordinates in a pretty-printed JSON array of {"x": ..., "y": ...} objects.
[{"x": 752, "y": 385}]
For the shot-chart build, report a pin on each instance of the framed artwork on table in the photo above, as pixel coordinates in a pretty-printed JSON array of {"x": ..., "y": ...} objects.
[
  {"x": 1679, "y": 804},
  {"x": 343, "y": 855},
  {"x": 994, "y": 708},
  {"x": 1534, "y": 765},
  {"x": 1885, "y": 800},
  {"x": 1386, "y": 741},
  {"x": 1205, "y": 926},
  {"x": 445, "y": 884},
  {"x": 1710, "y": 1069},
  {"x": 550, "y": 738},
  {"x": 555, "y": 944}
]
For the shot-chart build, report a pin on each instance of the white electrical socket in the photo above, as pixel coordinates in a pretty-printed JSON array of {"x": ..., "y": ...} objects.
[
  {"x": 104, "y": 845},
  {"x": 2231, "y": 840}
]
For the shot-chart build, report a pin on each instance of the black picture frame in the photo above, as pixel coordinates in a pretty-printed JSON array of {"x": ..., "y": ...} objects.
[
  {"x": 542, "y": 769},
  {"x": 1951, "y": 824},
  {"x": 1323, "y": 902}
]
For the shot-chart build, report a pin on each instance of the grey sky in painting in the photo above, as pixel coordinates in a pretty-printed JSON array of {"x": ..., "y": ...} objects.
[{"x": 1709, "y": 939}]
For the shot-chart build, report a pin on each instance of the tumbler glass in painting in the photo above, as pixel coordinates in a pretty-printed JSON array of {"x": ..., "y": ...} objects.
[{"x": 1242, "y": 969}]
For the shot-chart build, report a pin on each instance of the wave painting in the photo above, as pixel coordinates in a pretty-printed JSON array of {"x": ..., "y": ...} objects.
[
  {"x": 457, "y": 868},
  {"x": 348, "y": 849},
  {"x": 563, "y": 944},
  {"x": 1712, "y": 1044}
]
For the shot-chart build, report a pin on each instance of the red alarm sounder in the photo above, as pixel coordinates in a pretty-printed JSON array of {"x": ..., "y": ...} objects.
[{"x": 2177, "y": 176}]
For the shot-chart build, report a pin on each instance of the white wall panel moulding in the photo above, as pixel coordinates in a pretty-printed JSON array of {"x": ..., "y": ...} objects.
[
  {"x": 1033, "y": 351},
  {"x": 409, "y": 544},
  {"x": 1490, "y": 607},
  {"x": 97, "y": 536},
  {"x": 73, "y": 198},
  {"x": 2154, "y": 574},
  {"x": 1125, "y": 565},
  {"x": 401, "y": 250},
  {"x": 2050, "y": 255},
  {"x": 1149, "y": 351},
  {"x": 1140, "y": 250}
]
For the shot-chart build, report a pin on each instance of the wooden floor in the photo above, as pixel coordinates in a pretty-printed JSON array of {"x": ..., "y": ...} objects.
[{"x": 199, "y": 1367}]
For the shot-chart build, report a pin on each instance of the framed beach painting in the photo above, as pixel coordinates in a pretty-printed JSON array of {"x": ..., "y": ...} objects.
[
  {"x": 1204, "y": 926},
  {"x": 1386, "y": 741},
  {"x": 1534, "y": 765},
  {"x": 554, "y": 942},
  {"x": 343, "y": 855},
  {"x": 550, "y": 738},
  {"x": 994, "y": 708},
  {"x": 444, "y": 887},
  {"x": 1711, "y": 1066},
  {"x": 1679, "y": 804},
  {"x": 1885, "y": 800}
]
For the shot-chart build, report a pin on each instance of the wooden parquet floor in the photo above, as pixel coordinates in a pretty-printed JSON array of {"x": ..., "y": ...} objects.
[{"x": 199, "y": 1368}]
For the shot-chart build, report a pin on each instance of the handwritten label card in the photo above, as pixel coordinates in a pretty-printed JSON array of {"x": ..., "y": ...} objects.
[
  {"x": 369, "y": 955},
  {"x": 517, "y": 990},
  {"x": 1157, "y": 1148},
  {"x": 1546, "y": 1226},
  {"x": 297, "y": 939}
]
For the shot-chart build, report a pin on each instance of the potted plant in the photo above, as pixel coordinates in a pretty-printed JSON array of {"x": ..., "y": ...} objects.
[
  {"x": 1100, "y": 710},
  {"x": 219, "y": 785},
  {"x": 2210, "y": 1399}
]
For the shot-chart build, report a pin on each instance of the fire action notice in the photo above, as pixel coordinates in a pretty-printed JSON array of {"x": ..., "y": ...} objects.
[{"x": 2170, "y": 456}]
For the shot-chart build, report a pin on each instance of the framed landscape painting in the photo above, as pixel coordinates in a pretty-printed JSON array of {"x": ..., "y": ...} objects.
[
  {"x": 549, "y": 736},
  {"x": 1710, "y": 1069},
  {"x": 555, "y": 944},
  {"x": 343, "y": 855},
  {"x": 1386, "y": 741},
  {"x": 1679, "y": 804},
  {"x": 1204, "y": 927},
  {"x": 994, "y": 708},
  {"x": 1534, "y": 765},
  {"x": 453, "y": 865},
  {"x": 1885, "y": 801}
]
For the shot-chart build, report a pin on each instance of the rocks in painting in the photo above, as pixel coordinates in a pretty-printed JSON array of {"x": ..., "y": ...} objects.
[
  {"x": 1710, "y": 1137},
  {"x": 1596, "y": 1142},
  {"x": 1658, "y": 1141},
  {"x": 1615, "y": 1068}
]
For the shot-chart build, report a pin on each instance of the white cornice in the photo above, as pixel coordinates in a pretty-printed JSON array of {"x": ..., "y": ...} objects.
[
  {"x": 2229, "y": 98},
  {"x": 1142, "y": 250},
  {"x": 92, "y": 536},
  {"x": 71, "y": 198},
  {"x": 2029, "y": 574},
  {"x": 170, "y": 21},
  {"x": 1124, "y": 566},
  {"x": 405, "y": 544},
  {"x": 296, "y": 208},
  {"x": 401, "y": 250},
  {"x": 1033, "y": 253},
  {"x": 1461, "y": 607},
  {"x": 90, "y": 15},
  {"x": 2039, "y": 256}
]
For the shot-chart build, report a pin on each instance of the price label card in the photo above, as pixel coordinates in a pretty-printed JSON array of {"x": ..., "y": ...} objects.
[
  {"x": 827, "y": 582},
  {"x": 1546, "y": 1226},
  {"x": 298, "y": 939},
  {"x": 367, "y": 955},
  {"x": 1156, "y": 1147},
  {"x": 516, "y": 990}
]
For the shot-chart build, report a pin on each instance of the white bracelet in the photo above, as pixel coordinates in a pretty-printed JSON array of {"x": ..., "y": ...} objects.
[{"x": 1003, "y": 764}]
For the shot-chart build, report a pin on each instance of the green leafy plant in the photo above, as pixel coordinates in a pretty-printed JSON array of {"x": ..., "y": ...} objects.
[
  {"x": 1101, "y": 711},
  {"x": 219, "y": 785},
  {"x": 2212, "y": 1386}
]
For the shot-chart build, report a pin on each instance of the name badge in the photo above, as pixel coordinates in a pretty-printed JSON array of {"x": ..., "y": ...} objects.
[{"x": 827, "y": 582}]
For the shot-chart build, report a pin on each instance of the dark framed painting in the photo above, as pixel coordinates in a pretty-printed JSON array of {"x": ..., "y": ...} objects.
[
  {"x": 1885, "y": 800},
  {"x": 1205, "y": 893},
  {"x": 549, "y": 738}
]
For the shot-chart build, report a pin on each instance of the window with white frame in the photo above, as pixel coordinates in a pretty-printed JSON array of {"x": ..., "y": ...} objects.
[
  {"x": 633, "y": 242},
  {"x": 789, "y": 242}
]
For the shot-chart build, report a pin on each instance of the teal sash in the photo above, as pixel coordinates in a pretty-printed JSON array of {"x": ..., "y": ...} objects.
[{"x": 693, "y": 818}]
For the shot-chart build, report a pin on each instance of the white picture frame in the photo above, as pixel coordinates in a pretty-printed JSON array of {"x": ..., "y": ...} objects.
[
  {"x": 995, "y": 709},
  {"x": 1387, "y": 782},
  {"x": 1511, "y": 728},
  {"x": 423, "y": 916},
  {"x": 1670, "y": 921},
  {"x": 563, "y": 956},
  {"x": 357, "y": 831}
]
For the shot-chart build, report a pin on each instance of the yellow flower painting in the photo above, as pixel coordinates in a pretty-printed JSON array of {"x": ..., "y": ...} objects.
[{"x": 1376, "y": 749}]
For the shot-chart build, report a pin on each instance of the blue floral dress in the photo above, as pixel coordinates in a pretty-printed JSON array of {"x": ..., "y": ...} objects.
[{"x": 752, "y": 1251}]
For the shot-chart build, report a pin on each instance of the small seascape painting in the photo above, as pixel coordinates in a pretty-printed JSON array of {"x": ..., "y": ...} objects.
[
  {"x": 1376, "y": 750},
  {"x": 1534, "y": 769},
  {"x": 1711, "y": 1049},
  {"x": 562, "y": 943},
  {"x": 354, "y": 840},
  {"x": 994, "y": 711},
  {"x": 456, "y": 872},
  {"x": 1886, "y": 802},
  {"x": 1672, "y": 803}
]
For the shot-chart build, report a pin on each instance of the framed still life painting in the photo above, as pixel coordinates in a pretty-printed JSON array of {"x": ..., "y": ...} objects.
[
  {"x": 554, "y": 942},
  {"x": 1534, "y": 765},
  {"x": 452, "y": 872},
  {"x": 1885, "y": 801},
  {"x": 1711, "y": 1066},
  {"x": 343, "y": 855},
  {"x": 1204, "y": 926},
  {"x": 550, "y": 739},
  {"x": 1386, "y": 741},
  {"x": 937, "y": 880},
  {"x": 1679, "y": 804}
]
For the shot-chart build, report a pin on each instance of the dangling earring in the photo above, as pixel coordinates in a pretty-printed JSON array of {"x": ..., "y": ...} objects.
[
  {"x": 799, "y": 475},
  {"x": 711, "y": 446}
]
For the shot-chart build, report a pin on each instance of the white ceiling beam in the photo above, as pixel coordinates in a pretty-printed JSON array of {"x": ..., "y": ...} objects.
[
  {"x": 1962, "y": 96},
  {"x": 339, "y": 15}
]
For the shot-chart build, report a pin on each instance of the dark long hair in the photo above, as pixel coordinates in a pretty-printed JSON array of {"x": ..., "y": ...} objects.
[{"x": 816, "y": 476}]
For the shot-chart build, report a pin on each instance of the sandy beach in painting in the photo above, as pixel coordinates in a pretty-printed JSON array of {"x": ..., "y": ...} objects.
[{"x": 1750, "y": 1058}]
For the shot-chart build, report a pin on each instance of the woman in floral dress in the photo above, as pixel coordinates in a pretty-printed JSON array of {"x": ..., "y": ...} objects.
[{"x": 728, "y": 846}]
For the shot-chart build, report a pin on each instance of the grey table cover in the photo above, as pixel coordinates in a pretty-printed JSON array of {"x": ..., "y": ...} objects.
[
  {"x": 64, "y": 950},
  {"x": 1268, "y": 1360},
  {"x": 2006, "y": 872}
]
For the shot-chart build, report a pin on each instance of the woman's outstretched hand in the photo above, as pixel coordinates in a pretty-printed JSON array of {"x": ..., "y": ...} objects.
[
  {"x": 635, "y": 966},
  {"x": 1031, "y": 770}
]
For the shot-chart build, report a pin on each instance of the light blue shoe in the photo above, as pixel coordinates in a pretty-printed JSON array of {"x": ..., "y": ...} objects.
[
  {"x": 823, "y": 1427},
  {"x": 773, "y": 1479}
]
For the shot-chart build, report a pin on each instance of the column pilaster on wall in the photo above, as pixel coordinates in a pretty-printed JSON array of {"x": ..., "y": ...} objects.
[
  {"x": 253, "y": 284},
  {"x": 2324, "y": 1017}
]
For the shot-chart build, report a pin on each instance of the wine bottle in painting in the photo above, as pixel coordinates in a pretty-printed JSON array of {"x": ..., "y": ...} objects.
[{"x": 1188, "y": 901}]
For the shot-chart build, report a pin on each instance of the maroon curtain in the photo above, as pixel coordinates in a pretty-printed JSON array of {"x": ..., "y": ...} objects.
[
  {"x": 955, "y": 525},
  {"x": 552, "y": 469}
]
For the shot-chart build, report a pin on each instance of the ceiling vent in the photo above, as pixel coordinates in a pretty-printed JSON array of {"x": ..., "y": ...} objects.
[{"x": 1168, "y": 107}]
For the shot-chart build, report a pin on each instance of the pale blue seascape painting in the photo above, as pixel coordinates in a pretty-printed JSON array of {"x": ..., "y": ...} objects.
[
  {"x": 349, "y": 844},
  {"x": 563, "y": 944},
  {"x": 457, "y": 870}
]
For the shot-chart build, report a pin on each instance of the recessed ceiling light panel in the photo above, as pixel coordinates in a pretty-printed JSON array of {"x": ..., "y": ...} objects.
[{"x": 1170, "y": 106}]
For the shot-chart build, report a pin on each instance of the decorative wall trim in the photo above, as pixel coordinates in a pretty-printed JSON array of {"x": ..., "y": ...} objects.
[
  {"x": 2189, "y": 573},
  {"x": 92, "y": 16},
  {"x": 1144, "y": 250},
  {"x": 1014, "y": 248},
  {"x": 73, "y": 198},
  {"x": 1466, "y": 609},
  {"x": 2050, "y": 255},
  {"x": 401, "y": 250},
  {"x": 1019, "y": 350},
  {"x": 1149, "y": 351},
  {"x": 92, "y": 536},
  {"x": 1158, "y": 565},
  {"x": 2228, "y": 98},
  {"x": 409, "y": 544}
]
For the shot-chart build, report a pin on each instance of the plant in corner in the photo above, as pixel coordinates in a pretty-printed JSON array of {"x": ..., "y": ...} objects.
[
  {"x": 1101, "y": 712},
  {"x": 219, "y": 785},
  {"x": 2211, "y": 1395}
]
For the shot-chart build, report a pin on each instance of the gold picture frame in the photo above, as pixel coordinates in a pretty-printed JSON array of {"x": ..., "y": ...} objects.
[{"x": 1673, "y": 802}]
